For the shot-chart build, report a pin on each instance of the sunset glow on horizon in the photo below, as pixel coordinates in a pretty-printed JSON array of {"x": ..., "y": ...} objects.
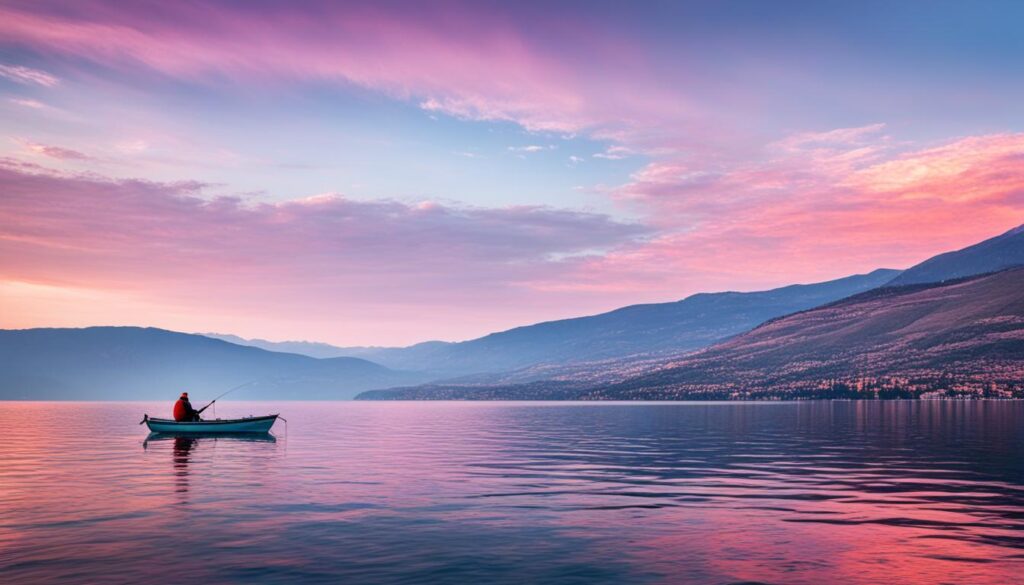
[{"x": 390, "y": 173}]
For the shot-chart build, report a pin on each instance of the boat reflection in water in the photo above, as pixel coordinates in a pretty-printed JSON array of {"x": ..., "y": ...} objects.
[
  {"x": 186, "y": 447},
  {"x": 193, "y": 438}
]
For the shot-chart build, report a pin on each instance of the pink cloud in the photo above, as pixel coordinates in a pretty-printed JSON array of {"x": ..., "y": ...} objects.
[
  {"x": 811, "y": 213},
  {"x": 355, "y": 260},
  {"x": 459, "y": 60},
  {"x": 977, "y": 168}
]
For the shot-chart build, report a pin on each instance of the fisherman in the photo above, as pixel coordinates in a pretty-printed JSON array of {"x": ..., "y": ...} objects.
[{"x": 183, "y": 411}]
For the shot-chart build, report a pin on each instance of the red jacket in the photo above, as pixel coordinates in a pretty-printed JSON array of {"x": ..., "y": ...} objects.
[{"x": 182, "y": 410}]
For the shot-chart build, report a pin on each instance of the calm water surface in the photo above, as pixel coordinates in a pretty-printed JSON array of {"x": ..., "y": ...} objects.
[{"x": 840, "y": 492}]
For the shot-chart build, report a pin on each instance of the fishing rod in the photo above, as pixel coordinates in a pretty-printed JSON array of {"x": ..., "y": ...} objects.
[{"x": 240, "y": 386}]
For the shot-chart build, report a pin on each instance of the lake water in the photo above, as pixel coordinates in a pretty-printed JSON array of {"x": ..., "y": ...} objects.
[{"x": 816, "y": 492}]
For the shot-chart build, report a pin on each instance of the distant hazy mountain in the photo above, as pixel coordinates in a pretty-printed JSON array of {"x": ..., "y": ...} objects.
[
  {"x": 689, "y": 324},
  {"x": 310, "y": 348},
  {"x": 966, "y": 334},
  {"x": 131, "y": 363},
  {"x": 994, "y": 254}
]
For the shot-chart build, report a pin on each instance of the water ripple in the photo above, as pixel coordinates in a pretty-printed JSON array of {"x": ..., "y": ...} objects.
[{"x": 509, "y": 493}]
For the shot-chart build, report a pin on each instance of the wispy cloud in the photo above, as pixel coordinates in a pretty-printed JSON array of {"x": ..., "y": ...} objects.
[
  {"x": 57, "y": 152},
  {"x": 28, "y": 103},
  {"x": 27, "y": 75},
  {"x": 463, "y": 61},
  {"x": 530, "y": 148},
  {"x": 837, "y": 137},
  {"x": 614, "y": 152}
]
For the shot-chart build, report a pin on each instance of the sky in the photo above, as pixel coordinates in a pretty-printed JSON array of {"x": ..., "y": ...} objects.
[{"x": 385, "y": 173}]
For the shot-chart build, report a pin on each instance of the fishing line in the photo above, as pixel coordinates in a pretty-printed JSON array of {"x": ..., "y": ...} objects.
[{"x": 240, "y": 386}]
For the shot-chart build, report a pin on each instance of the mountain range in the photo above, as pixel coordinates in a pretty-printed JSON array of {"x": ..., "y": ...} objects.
[
  {"x": 686, "y": 325},
  {"x": 710, "y": 344},
  {"x": 311, "y": 348},
  {"x": 636, "y": 377},
  {"x": 133, "y": 363},
  {"x": 965, "y": 334},
  {"x": 641, "y": 333}
]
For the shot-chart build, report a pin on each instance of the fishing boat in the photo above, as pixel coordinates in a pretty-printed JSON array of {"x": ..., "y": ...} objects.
[{"x": 250, "y": 424}]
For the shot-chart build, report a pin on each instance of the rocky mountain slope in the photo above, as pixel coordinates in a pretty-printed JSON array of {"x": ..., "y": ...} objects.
[{"x": 965, "y": 335}]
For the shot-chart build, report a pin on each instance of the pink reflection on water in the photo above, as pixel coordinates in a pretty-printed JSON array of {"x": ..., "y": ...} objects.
[{"x": 468, "y": 492}]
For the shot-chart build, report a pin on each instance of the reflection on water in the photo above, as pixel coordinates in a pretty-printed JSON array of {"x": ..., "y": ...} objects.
[
  {"x": 185, "y": 443},
  {"x": 852, "y": 492},
  {"x": 182, "y": 448}
]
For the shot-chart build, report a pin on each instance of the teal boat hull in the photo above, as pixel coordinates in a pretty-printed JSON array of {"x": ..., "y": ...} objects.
[{"x": 252, "y": 424}]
